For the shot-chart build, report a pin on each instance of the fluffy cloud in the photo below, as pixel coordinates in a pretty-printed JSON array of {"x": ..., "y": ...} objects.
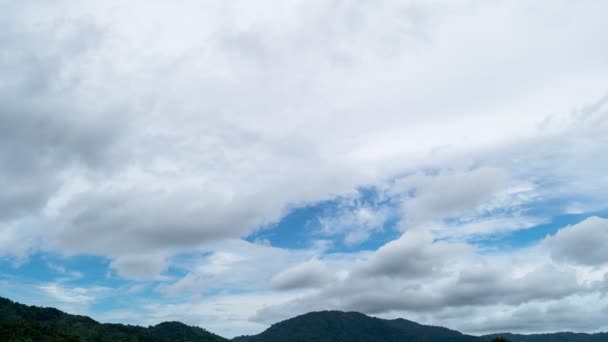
[
  {"x": 45, "y": 130},
  {"x": 572, "y": 314},
  {"x": 355, "y": 220},
  {"x": 237, "y": 265},
  {"x": 583, "y": 243},
  {"x": 311, "y": 274},
  {"x": 451, "y": 194},
  {"x": 412, "y": 256},
  {"x": 435, "y": 281},
  {"x": 158, "y": 135},
  {"x": 177, "y": 144},
  {"x": 68, "y": 295}
]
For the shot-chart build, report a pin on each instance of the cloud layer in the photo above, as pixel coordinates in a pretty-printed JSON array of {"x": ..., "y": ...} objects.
[{"x": 439, "y": 139}]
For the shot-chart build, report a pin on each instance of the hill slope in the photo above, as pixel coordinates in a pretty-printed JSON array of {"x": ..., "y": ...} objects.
[
  {"x": 555, "y": 337},
  {"x": 340, "y": 326},
  {"x": 20, "y": 322}
]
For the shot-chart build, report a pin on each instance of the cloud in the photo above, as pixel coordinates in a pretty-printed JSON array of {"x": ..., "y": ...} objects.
[
  {"x": 583, "y": 243},
  {"x": 571, "y": 314},
  {"x": 178, "y": 145},
  {"x": 139, "y": 266},
  {"x": 157, "y": 136},
  {"x": 417, "y": 277},
  {"x": 77, "y": 295},
  {"x": 414, "y": 255},
  {"x": 310, "y": 274},
  {"x": 354, "y": 219},
  {"x": 234, "y": 265},
  {"x": 44, "y": 132},
  {"x": 451, "y": 194}
]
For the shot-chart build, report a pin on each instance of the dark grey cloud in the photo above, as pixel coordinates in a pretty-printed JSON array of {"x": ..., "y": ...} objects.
[
  {"x": 414, "y": 274},
  {"x": 130, "y": 220},
  {"x": 583, "y": 243},
  {"x": 45, "y": 129},
  {"x": 483, "y": 289},
  {"x": 555, "y": 316}
]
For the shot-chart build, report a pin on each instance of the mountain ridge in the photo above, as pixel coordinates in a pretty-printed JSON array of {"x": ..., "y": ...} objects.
[
  {"x": 353, "y": 327},
  {"x": 23, "y": 323}
]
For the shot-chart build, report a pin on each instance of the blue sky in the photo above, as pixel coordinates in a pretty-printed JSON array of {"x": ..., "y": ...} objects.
[{"x": 233, "y": 164}]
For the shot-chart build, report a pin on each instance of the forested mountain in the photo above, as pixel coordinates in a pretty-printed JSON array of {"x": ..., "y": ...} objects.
[
  {"x": 556, "y": 337},
  {"x": 22, "y": 323},
  {"x": 340, "y": 326}
]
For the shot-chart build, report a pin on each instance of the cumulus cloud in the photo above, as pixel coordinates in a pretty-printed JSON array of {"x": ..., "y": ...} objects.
[
  {"x": 44, "y": 131},
  {"x": 583, "y": 243},
  {"x": 572, "y": 314},
  {"x": 148, "y": 132},
  {"x": 310, "y": 274},
  {"x": 417, "y": 277},
  {"x": 147, "y": 123},
  {"x": 234, "y": 265},
  {"x": 452, "y": 193},
  {"x": 412, "y": 256}
]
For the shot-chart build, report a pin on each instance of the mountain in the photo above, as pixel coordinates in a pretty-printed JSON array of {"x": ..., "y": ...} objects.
[
  {"x": 177, "y": 331},
  {"x": 338, "y": 326},
  {"x": 21, "y": 323},
  {"x": 326, "y": 326},
  {"x": 555, "y": 337}
]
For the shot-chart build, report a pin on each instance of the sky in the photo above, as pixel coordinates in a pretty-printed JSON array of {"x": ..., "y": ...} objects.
[{"x": 231, "y": 164}]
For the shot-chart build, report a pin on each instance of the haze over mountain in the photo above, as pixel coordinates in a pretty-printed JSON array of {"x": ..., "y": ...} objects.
[
  {"x": 21, "y": 323},
  {"x": 233, "y": 164}
]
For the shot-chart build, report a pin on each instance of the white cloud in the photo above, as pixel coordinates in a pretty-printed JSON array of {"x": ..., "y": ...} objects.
[
  {"x": 412, "y": 256},
  {"x": 451, "y": 194},
  {"x": 437, "y": 281},
  {"x": 182, "y": 145},
  {"x": 147, "y": 132},
  {"x": 354, "y": 220},
  {"x": 76, "y": 295},
  {"x": 575, "y": 313},
  {"x": 234, "y": 265},
  {"x": 310, "y": 274},
  {"x": 140, "y": 266}
]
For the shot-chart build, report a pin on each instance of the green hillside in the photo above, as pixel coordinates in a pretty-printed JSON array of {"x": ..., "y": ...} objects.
[
  {"x": 556, "y": 337},
  {"x": 340, "y": 326},
  {"x": 22, "y": 323}
]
